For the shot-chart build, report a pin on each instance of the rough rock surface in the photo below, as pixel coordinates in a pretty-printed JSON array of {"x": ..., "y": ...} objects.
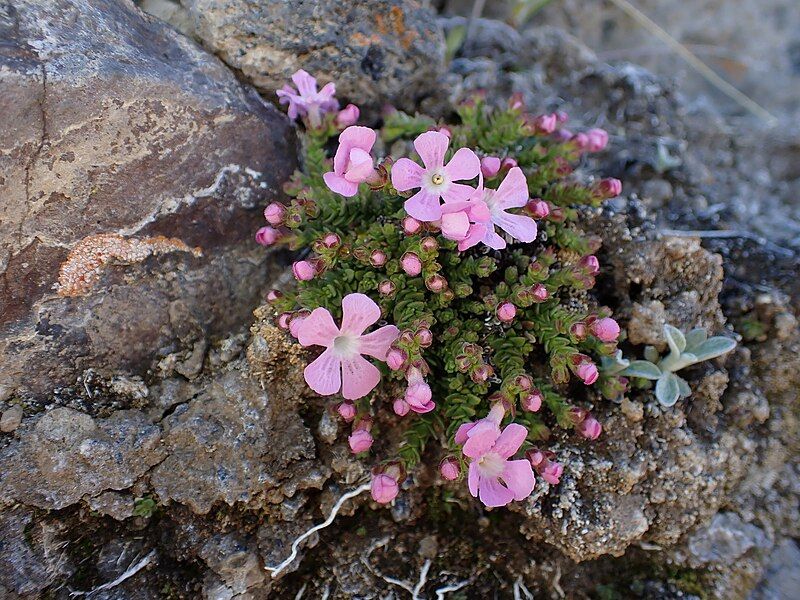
[
  {"x": 377, "y": 52},
  {"x": 133, "y": 167}
]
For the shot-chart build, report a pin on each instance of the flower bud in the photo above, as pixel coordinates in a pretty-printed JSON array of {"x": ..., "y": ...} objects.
[
  {"x": 429, "y": 244},
  {"x": 579, "y": 331},
  {"x": 266, "y": 236},
  {"x": 295, "y": 320},
  {"x": 508, "y": 163},
  {"x": 401, "y": 407},
  {"x": 384, "y": 488},
  {"x": 597, "y": 140},
  {"x": 303, "y": 270},
  {"x": 585, "y": 369},
  {"x": 411, "y": 226},
  {"x": 411, "y": 264},
  {"x": 396, "y": 359},
  {"x": 523, "y": 382},
  {"x": 445, "y": 131},
  {"x": 346, "y": 410},
  {"x": 275, "y": 213},
  {"x": 516, "y": 103},
  {"x": 590, "y": 428},
  {"x": 418, "y": 396},
  {"x": 577, "y": 415},
  {"x": 283, "y": 320},
  {"x": 580, "y": 141},
  {"x": 545, "y": 124},
  {"x": 347, "y": 116},
  {"x": 490, "y": 166},
  {"x": 590, "y": 264},
  {"x": 386, "y": 288},
  {"x": 436, "y": 283},
  {"x": 506, "y": 312},
  {"x": 538, "y": 208},
  {"x": 450, "y": 468},
  {"x": 274, "y": 295},
  {"x": 532, "y": 402},
  {"x": 605, "y": 329},
  {"x": 331, "y": 240},
  {"x": 608, "y": 188},
  {"x": 377, "y": 258},
  {"x": 539, "y": 293},
  {"x": 424, "y": 337},
  {"x": 481, "y": 373},
  {"x": 562, "y": 116},
  {"x": 360, "y": 441}
]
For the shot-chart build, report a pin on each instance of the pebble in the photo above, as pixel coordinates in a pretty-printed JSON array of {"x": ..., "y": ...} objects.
[{"x": 11, "y": 419}]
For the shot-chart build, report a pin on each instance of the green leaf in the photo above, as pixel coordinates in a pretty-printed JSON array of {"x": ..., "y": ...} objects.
[
  {"x": 642, "y": 368},
  {"x": 454, "y": 41},
  {"x": 668, "y": 389},
  {"x": 683, "y": 387},
  {"x": 713, "y": 347},
  {"x": 651, "y": 354},
  {"x": 675, "y": 339},
  {"x": 696, "y": 337}
]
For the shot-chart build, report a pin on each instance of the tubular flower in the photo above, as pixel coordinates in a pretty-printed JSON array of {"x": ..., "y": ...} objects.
[
  {"x": 436, "y": 180},
  {"x": 306, "y": 101},
  {"x": 341, "y": 365},
  {"x": 352, "y": 163}
]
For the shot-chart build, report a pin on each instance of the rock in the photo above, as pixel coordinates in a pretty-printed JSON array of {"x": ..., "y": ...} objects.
[
  {"x": 67, "y": 455},
  {"x": 782, "y": 577},
  {"x": 134, "y": 167},
  {"x": 724, "y": 540},
  {"x": 113, "y": 504},
  {"x": 11, "y": 419},
  {"x": 235, "y": 561},
  {"x": 376, "y": 52}
]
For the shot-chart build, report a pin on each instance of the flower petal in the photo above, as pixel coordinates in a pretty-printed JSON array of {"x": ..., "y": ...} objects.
[
  {"x": 493, "y": 240},
  {"x": 518, "y": 476},
  {"x": 462, "y": 435},
  {"x": 481, "y": 439},
  {"x": 455, "y": 192},
  {"x": 317, "y": 329},
  {"x": 465, "y": 164},
  {"x": 359, "y": 377},
  {"x": 513, "y": 191},
  {"x": 431, "y": 147},
  {"x": 377, "y": 343},
  {"x": 324, "y": 375},
  {"x": 359, "y": 167},
  {"x": 340, "y": 185},
  {"x": 493, "y": 493},
  {"x": 510, "y": 440},
  {"x": 359, "y": 311},
  {"x": 474, "y": 478},
  {"x": 406, "y": 175},
  {"x": 520, "y": 227},
  {"x": 475, "y": 234},
  {"x": 424, "y": 206},
  {"x": 455, "y": 226},
  {"x": 306, "y": 84},
  {"x": 354, "y": 136}
]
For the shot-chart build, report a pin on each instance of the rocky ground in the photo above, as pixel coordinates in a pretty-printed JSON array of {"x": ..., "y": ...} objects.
[{"x": 164, "y": 444}]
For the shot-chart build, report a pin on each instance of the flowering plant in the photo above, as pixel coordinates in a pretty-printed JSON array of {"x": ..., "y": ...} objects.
[{"x": 462, "y": 244}]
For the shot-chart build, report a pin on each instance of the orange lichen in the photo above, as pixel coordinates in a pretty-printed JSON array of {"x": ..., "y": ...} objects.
[{"x": 86, "y": 260}]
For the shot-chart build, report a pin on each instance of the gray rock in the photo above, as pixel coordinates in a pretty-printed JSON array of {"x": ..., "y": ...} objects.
[
  {"x": 235, "y": 561},
  {"x": 376, "y": 52},
  {"x": 781, "y": 580},
  {"x": 724, "y": 540},
  {"x": 134, "y": 166},
  {"x": 113, "y": 504},
  {"x": 67, "y": 455},
  {"x": 11, "y": 419}
]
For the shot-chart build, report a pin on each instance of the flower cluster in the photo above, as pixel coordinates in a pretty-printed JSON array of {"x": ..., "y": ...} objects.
[{"x": 445, "y": 288}]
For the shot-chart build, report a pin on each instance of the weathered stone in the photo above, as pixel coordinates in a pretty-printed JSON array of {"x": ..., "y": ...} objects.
[
  {"x": 113, "y": 504},
  {"x": 134, "y": 165},
  {"x": 235, "y": 561},
  {"x": 67, "y": 455},
  {"x": 11, "y": 419},
  {"x": 724, "y": 540},
  {"x": 376, "y": 52}
]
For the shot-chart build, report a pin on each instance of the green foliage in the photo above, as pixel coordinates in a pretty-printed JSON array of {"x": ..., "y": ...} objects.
[{"x": 144, "y": 507}]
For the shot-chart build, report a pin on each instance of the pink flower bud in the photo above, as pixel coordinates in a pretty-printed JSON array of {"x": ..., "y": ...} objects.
[
  {"x": 275, "y": 213},
  {"x": 590, "y": 264},
  {"x": 436, "y": 283},
  {"x": 608, "y": 188},
  {"x": 424, "y": 337},
  {"x": 386, "y": 288},
  {"x": 266, "y": 236},
  {"x": 377, "y": 258},
  {"x": 396, "y": 358},
  {"x": 532, "y": 402},
  {"x": 605, "y": 329},
  {"x": 538, "y": 208},
  {"x": 523, "y": 382},
  {"x": 445, "y": 131},
  {"x": 411, "y": 264},
  {"x": 539, "y": 293},
  {"x": 429, "y": 244},
  {"x": 303, "y": 270},
  {"x": 551, "y": 472},
  {"x": 401, "y": 407},
  {"x": 450, "y": 468},
  {"x": 562, "y": 116},
  {"x": 360, "y": 441},
  {"x": 411, "y": 226},
  {"x": 515, "y": 102},
  {"x": 577, "y": 415},
  {"x": 331, "y": 240},
  {"x": 508, "y": 163},
  {"x": 481, "y": 373},
  {"x": 273, "y": 296},
  {"x": 346, "y": 410},
  {"x": 506, "y": 312},
  {"x": 535, "y": 457},
  {"x": 579, "y": 331},
  {"x": 418, "y": 396},
  {"x": 545, "y": 124},
  {"x": 283, "y": 320},
  {"x": 490, "y": 166},
  {"x": 347, "y": 116},
  {"x": 384, "y": 488},
  {"x": 597, "y": 140},
  {"x": 580, "y": 141},
  {"x": 590, "y": 428},
  {"x": 587, "y": 371}
]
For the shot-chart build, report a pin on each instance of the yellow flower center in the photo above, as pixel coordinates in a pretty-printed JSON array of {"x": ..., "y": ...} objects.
[{"x": 437, "y": 179}]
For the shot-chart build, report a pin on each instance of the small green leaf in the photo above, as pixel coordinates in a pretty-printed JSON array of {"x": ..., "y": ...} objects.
[
  {"x": 696, "y": 337},
  {"x": 668, "y": 389},
  {"x": 642, "y": 368},
  {"x": 683, "y": 387},
  {"x": 651, "y": 354},
  {"x": 713, "y": 347},
  {"x": 454, "y": 41},
  {"x": 675, "y": 339}
]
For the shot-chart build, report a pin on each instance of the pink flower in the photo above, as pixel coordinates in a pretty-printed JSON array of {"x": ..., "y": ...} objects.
[
  {"x": 396, "y": 358},
  {"x": 490, "y": 166},
  {"x": 605, "y": 329},
  {"x": 377, "y": 258},
  {"x": 597, "y": 140},
  {"x": 411, "y": 226},
  {"x": 538, "y": 208},
  {"x": 578, "y": 331},
  {"x": 342, "y": 365},
  {"x": 450, "y": 468},
  {"x": 418, "y": 393},
  {"x": 424, "y": 337},
  {"x": 400, "y": 407},
  {"x": 436, "y": 283},
  {"x": 608, "y": 188},
  {"x": 545, "y": 124},
  {"x": 590, "y": 428},
  {"x": 266, "y": 236},
  {"x": 347, "y": 116},
  {"x": 346, "y": 410},
  {"x": 384, "y": 488},
  {"x": 303, "y": 270},
  {"x": 492, "y": 477},
  {"x": 331, "y": 240},
  {"x": 542, "y": 461},
  {"x": 506, "y": 312},
  {"x": 591, "y": 264},
  {"x": 306, "y": 101},
  {"x": 512, "y": 193},
  {"x": 533, "y": 402},
  {"x": 360, "y": 441},
  {"x": 539, "y": 293},
  {"x": 411, "y": 264},
  {"x": 274, "y": 295},
  {"x": 585, "y": 369},
  {"x": 386, "y": 288},
  {"x": 275, "y": 213},
  {"x": 436, "y": 180},
  {"x": 352, "y": 163}
]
